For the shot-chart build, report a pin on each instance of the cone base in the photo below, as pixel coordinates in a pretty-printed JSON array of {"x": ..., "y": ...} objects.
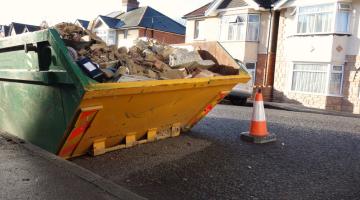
[{"x": 258, "y": 140}]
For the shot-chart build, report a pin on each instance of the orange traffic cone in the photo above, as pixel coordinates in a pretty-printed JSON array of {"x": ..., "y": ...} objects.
[{"x": 258, "y": 129}]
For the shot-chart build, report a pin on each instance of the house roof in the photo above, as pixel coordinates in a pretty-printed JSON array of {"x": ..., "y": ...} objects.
[
  {"x": 280, "y": 3},
  {"x": 115, "y": 14},
  {"x": 224, "y": 4},
  {"x": 155, "y": 20},
  {"x": 132, "y": 18},
  {"x": 266, "y": 3},
  {"x": 198, "y": 12},
  {"x": 84, "y": 23},
  {"x": 32, "y": 28},
  {"x": 232, "y": 4},
  {"x": 19, "y": 28},
  {"x": 112, "y": 22},
  {"x": 148, "y": 17}
]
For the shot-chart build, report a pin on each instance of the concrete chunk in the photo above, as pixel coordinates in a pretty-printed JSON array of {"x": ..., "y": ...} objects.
[{"x": 132, "y": 78}]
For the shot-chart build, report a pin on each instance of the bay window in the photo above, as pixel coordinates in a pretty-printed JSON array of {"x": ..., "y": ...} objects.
[
  {"x": 245, "y": 27},
  {"x": 324, "y": 18},
  {"x": 317, "y": 78}
]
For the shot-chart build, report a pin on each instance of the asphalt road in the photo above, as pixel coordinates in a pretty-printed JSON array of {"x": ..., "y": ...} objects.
[
  {"x": 315, "y": 157},
  {"x": 28, "y": 172}
]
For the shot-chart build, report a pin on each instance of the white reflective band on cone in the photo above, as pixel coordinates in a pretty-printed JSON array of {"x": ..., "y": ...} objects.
[{"x": 259, "y": 111}]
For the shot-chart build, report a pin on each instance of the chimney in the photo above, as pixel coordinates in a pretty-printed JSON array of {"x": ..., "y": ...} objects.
[{"x": 129, "y": 5}]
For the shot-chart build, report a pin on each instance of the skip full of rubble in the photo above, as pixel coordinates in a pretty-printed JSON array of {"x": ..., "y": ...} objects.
[{"x": 146, "y": 60}]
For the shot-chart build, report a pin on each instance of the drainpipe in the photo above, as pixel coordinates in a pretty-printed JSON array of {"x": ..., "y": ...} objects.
[
  {"x": 266, "y": 70},
  {"x": 152, "y": 27},
  {"x": 271, "y": 48}
]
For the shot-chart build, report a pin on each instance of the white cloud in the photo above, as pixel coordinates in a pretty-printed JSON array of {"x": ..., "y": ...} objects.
[{"x": 54, "y": 11}]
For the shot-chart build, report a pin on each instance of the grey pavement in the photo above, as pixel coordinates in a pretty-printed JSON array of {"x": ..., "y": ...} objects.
[
  {"x": 28, "y": 172},
  {"x": 301, "y": 108},
  {"x": 316, "y": 157}
]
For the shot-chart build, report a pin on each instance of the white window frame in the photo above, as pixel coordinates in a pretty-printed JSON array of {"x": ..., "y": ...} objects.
[
  {"x": 349, "y": 17},
  {"x": 342, "y": 78},
  {"x": 329, "y": 71},
  {"x": 335, "y": 12},
  {"x": 225, "y": 26},
  {"x": 111, "y": 41},
  {"x": 104, "y": 34},
  {"x": 197, "y": 25},
  {"x": 247, "y": 29}
]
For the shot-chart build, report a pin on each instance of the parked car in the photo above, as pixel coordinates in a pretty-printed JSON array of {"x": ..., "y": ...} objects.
[{"x": 241, "y": 92}]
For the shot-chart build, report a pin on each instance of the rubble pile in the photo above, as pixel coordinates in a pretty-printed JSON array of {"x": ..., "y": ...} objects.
[{"x": 146, "y": 60}]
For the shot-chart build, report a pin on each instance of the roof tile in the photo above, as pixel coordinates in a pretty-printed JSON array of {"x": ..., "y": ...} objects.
[
  {"x": 148, "y": 17},
  {"x": 198, "y": 12},
  {"x": 84, "y": 23},
  {"x": 232, "y": 4},
  {"x": 112, "y": 22}
]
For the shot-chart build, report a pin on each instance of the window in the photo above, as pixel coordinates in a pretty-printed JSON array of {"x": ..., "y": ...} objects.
[
  {"x": 336, "y": 79},
  {"x": 251, "y": 67},
  {"x": 198, "y": 34},
  {"x": 109, "y": 36},
  {"x": 240, "y": 27},
  {"x": 102, "y": 34},
  {"x": 111, "y": 40},
  {"x": 231, "y": 32},
  {"x": 343, "y": 18},
  {"x": 317, "y": 78},
  {"x": 325, "y": 18},
  {"x": 253, "y": 28}
]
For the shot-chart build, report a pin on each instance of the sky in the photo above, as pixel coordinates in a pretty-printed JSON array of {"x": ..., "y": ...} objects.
[{"x": 55, "y": 11}]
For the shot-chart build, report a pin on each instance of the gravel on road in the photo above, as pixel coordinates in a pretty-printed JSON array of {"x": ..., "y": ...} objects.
[{"x": 316, "y": 157}]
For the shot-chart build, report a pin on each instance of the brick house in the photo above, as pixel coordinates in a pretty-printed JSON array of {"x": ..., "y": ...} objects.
[
  {"x": 121, "y": 28},
  {"x": 318, "y": 56},
  {"x": 247, "y": 29}
]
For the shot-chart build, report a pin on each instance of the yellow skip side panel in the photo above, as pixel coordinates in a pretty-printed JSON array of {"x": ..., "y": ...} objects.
[{"x": 135, "y": 108}]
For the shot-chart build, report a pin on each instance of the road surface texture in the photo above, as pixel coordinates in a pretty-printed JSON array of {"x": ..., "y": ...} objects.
[
  {"x": 316, "y": 157},
  {"x": 28, "y": 172}
]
